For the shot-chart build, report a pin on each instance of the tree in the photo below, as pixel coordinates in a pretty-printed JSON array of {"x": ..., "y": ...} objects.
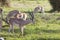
[{"x": 55, "y": 5}]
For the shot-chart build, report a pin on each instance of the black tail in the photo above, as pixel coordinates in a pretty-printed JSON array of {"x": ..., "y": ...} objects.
[{"x": 32, "y": 17}]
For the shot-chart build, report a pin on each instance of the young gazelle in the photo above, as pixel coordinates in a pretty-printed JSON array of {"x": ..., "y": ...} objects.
[
  {"x": 20, "y": 22},
  {"x": 39, "y": 9}
]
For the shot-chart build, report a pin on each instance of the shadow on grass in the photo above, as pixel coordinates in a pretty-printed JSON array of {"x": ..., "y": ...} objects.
[
  {"x": 47, "y": 31},
  {"x": 51, "y": 11},
  {"x": 51, "y": 31},
  {"x": 32, "y": 31},
  {"x": 38, "y": 30},
  {"x": 37, "y": 12},
  {"x": 5, "y": 33},
  {"x": 29, "y": 31},
  {"x": 47, "y": 39},
  {"x": 28, "y": 11},
  {"x": 15, "y": 30},
  {"x": 5, "y": 26}
]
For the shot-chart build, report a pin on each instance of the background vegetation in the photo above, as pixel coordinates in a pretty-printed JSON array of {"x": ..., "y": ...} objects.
[{"x": 47, "y": 28}]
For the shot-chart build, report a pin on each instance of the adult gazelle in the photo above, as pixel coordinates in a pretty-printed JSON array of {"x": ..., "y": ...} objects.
[{"x": 20, "y": 21}]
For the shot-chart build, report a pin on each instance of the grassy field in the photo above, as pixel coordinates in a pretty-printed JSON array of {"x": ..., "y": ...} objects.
[{"x": 47, "y": 28}]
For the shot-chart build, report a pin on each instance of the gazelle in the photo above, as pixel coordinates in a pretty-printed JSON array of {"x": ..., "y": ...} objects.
[
  {"x": 39, "y": 9},
  {"x": 17, "y": 14},
  {"x": 20, "y": 22}
]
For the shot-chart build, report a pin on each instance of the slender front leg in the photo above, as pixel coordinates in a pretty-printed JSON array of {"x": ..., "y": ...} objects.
[
  {"x": 22, "y": 30},
  {"x": 0, "y": 26},
  {"x": 11, "y": 28}
]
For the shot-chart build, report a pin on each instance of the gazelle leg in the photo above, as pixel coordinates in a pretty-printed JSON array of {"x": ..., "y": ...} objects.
[
  {"x": 0, "y": 28},
  {"x": 22, "y": 30},
  {"x": 11, "y": 28}
]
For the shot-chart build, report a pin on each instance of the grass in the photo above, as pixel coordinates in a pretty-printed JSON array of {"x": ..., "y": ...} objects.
[{"x": 47, "y": 28}]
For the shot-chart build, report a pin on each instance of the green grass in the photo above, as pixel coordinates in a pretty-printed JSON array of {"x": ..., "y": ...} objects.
[{"x": 47, "y": 28}]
